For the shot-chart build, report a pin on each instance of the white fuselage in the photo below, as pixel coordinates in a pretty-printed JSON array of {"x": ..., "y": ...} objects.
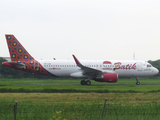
[{"x": 124, "y": 68}]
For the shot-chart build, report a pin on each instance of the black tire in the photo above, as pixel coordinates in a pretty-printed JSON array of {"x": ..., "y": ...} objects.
[
  {"x": 88, "y": 82},
  {"x": 138, "y": 83},
  {"x": 83, "y": 82}
]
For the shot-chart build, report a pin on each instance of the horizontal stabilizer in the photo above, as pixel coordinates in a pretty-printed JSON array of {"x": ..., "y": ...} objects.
[{"x": 19, "y": 65}]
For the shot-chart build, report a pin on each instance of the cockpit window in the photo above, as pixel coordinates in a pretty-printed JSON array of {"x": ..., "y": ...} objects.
[{"x": 149, "y": 65}]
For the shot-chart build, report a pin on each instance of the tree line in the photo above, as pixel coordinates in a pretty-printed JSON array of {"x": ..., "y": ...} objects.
[{"x": 12, "y": 73}]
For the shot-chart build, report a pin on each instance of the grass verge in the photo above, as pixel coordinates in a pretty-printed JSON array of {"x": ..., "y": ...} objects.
[
  {"x": 60, "y": 111},
  {"x": 73, "y": 86}
]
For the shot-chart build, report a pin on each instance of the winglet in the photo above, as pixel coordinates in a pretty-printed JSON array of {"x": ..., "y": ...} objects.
[{"x": 76, "y": 60}]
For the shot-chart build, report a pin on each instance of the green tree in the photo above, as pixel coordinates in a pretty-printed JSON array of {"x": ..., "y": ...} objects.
[
  {"x": 156, "y": 64},
  {"x": 9, "y": 72}
]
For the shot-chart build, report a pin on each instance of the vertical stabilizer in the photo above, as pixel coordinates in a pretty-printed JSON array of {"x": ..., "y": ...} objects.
[
  {"x": 16, "y": 50},
  {"x": 21, "y": 59}
]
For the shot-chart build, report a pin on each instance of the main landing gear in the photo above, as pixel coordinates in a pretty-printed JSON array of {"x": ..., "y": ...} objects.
[
  {"x": 83, "y": 82},
  {"x": 137, "y": 83}
]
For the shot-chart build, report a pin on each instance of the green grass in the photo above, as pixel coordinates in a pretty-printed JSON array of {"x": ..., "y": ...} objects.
[
  {"x": 73, "y": 86},
  {"x": 31, "y": 110},
  {"x": 131, "y": 81},
  {"x": 41, "y": 99},
  {"x": 85, "y": 98}
]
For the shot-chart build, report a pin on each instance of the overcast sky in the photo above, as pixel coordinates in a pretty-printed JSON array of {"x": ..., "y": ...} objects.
[{"x": 90, "y": 29}]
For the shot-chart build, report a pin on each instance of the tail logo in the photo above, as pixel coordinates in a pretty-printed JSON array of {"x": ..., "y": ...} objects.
[
  {"x": 17, "y": 51},
  {"x": 14, "y": 44},
  {"x": 13, "y": 55},
  {"x": 20, "y": 50},
  {"x": 8, "y": 37},
  {"x": 21, "y": 59},
  {"x": 25, "y": 56}
]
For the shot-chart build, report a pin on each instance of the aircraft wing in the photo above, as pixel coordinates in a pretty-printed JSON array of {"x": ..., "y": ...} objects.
[{"x": 87, "y": 70}]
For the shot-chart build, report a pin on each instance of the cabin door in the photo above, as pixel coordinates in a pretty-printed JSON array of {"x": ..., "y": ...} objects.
[{"x": 139, "y": 66}]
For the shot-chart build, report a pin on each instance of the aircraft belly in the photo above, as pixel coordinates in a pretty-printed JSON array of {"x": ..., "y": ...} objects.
[
  {"x": 62, "y": 72},
  {"x": 140, "y": 74},
  {"x": 124, "y": 73}
]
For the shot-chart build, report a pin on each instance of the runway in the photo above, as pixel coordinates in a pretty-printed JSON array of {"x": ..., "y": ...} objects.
[{"x": 84, "y": 85}]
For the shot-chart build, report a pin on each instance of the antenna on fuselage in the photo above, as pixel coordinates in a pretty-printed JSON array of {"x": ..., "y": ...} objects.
[{"x": 134, "y": 58}]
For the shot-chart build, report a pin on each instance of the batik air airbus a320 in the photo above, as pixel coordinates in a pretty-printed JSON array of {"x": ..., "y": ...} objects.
[{"x": 98, "y": 70}]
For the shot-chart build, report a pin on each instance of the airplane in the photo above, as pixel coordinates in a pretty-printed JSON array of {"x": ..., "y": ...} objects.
[{"x": 98, "y": 70}]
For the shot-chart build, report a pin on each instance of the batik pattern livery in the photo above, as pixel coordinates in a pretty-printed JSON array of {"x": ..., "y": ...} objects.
[{"x": 19, "y": 55}]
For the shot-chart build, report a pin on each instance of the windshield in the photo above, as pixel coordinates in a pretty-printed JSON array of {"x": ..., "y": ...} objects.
[{"x": 149, "y": 65}]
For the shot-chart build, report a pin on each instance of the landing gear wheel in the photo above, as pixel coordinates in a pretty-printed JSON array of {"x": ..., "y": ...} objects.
[
  {"x": 88, "y": 82},
  {"x": 83, "y": 82},
  {"x": 137, "y": 83}
]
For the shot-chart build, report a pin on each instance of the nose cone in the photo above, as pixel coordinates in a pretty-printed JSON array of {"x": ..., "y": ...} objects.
[{"x": 156, "y": 71}]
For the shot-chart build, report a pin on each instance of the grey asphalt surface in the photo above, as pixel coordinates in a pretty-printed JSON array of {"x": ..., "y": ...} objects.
[{"x": 80, "y": 85}]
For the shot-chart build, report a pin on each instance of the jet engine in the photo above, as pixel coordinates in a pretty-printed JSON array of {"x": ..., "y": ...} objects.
[{"x": 107, "y": 77}]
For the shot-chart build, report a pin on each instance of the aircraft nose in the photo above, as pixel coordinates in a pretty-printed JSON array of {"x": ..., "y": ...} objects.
[{"x": 156, "y": 71}]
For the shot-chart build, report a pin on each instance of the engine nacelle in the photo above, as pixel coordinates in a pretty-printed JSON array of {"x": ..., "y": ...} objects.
[{"x": 108, "y": 77}]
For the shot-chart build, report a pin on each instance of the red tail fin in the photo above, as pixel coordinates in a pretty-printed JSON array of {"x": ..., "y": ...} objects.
[
  {"x": 16, "y": 50},
  {"x": 21, "y": 59}
]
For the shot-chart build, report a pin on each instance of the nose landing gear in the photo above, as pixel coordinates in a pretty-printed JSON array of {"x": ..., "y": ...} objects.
[
  {"x": 137, "y": 83},
  {"x": 88, "y": 82}
]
